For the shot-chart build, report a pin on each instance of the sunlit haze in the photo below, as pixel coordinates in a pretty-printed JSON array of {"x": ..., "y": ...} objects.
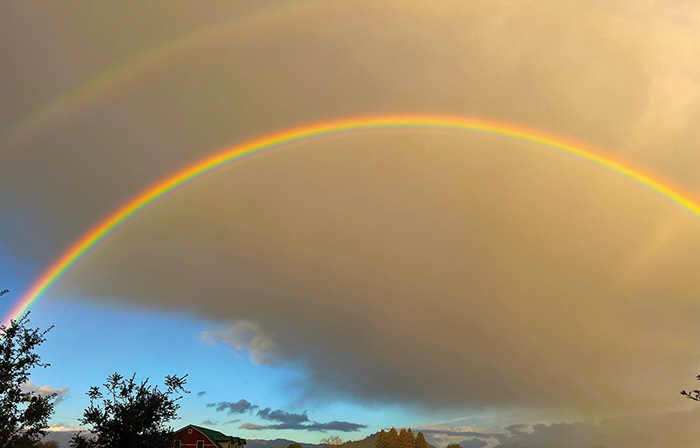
[{"x": 477, "y": 219}]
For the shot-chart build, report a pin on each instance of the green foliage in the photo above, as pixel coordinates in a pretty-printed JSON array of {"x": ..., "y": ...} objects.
[
  {"x": 402, "y": 438},
  {"x": 394, "y": 439},
  {"x": 420, "y": 441},
  {"x": 130, "y": 414},
  {"x": 382, "y": 440},
  {"x": 454, "y": 445},
  {"x": 295, "y": 445},
  {"x": 407, "y": 439},
  {"x": 24, "y": 416}
]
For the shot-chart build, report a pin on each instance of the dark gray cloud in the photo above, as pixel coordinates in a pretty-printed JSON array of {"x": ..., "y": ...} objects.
[
  {"x": 335, "y": 425},
  {"x": 455, "y": 432},
  {"x": 313, "y": 426},
  {"x": 674, "y": 429},
  {"x": 519, "y": 428},
  {"x": 473, "y": 443},
  {"x": 282, "y": 416},
  {"x": 286, "y": 420},
  {"x": 511, "y": 273},
  {"x": 239, "y": 407},
  {"x": 202, "y": 393},
  {"x": 209, "y": 422},
  {"x": 441, "y": 436},
  {"x": 677, "y": 429}
]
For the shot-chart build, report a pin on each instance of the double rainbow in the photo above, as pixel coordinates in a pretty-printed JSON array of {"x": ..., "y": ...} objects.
[
  {"x": 277, "y": 139},
  {"x": 125, "y": 73}
]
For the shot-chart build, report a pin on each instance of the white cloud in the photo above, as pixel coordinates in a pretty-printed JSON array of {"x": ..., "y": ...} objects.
[
  {"x": 46, "y": 390},
  {"x": 243, "y": 335},
  {"x": 61, "y": 427}
]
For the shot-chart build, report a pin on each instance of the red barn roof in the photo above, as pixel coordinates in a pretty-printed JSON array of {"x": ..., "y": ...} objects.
[{"x": 190, "y": 434}]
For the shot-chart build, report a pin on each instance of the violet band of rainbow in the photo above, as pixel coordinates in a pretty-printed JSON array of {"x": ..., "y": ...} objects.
[
  {"x": 113, "y": 80},
  {"x": 364, "y": 123}
]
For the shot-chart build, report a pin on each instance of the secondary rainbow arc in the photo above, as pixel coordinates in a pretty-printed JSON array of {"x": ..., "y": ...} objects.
[
  {"x": 439, "y": 122},
  {"x": 117, "y": 77}
]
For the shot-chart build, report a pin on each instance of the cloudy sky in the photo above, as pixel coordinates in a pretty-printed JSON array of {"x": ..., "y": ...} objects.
[{"x": 488, "y": 291}]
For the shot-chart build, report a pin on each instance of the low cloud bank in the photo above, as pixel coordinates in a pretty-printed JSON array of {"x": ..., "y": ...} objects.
[
  {"x": 674, "y": 429},
  {"x": 282, "y": 419}
]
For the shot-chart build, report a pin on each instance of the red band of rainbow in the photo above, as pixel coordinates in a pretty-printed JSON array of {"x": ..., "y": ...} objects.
[{"x": 228, "y": 155}]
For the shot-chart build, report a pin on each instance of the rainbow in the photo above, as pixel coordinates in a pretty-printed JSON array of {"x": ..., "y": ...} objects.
[
  {"x": 327, "y": 128},
  {"x": 125, "y": 73}
]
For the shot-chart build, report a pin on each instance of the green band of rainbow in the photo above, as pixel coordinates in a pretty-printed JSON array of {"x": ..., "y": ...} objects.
[
  {"x": 115, "y": 78},
  {"x": 228, "y": 155}
]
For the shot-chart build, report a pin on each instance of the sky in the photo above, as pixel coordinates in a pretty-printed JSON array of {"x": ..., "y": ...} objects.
[{"x": 487, "y": 291}]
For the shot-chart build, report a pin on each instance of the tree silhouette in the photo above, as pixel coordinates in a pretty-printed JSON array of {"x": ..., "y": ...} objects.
[
  {"x": 130, "y": 414},
  {"x": 24, "y": 415},
  {"x": 382, "y": 441},
  {"x": 332, "y": 442},
  {"x": 392, "y": 438},
  {"x": 407, "y": 439},
  {"x": 694, "y": 394},
  {"x": 420, "y": 441},
  {"x": 404, "y": 439}
]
